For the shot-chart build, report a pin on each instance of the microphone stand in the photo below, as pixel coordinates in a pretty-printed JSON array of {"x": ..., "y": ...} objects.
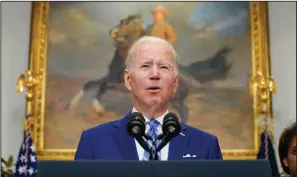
[
  {"x": 153, "y": 150},
  {"x": 164, "y": 139},
  {"x": 142, "y": 140}
]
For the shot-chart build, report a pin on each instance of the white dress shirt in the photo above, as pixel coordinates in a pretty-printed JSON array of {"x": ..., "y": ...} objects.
[{"x": 164, "y": 151}]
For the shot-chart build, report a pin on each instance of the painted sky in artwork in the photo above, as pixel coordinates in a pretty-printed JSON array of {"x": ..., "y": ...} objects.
[{"x": 226, "y": 18}]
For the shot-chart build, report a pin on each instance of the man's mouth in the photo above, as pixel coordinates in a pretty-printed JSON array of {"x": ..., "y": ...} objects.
[{"x": 154, "y": 88}]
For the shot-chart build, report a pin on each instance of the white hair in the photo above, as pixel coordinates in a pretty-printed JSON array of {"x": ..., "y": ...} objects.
[{"x": 148, "y": 39}]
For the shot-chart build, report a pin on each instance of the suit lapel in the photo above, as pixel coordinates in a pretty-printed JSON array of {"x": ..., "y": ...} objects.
[
  {"x": 125, "y": 143},
  {"x": 178, "y": 145}
]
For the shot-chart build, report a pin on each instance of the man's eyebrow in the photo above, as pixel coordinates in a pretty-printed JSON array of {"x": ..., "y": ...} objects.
[
  {"x": 164, "y": 63},
  {"x": 145, "y": 61}
]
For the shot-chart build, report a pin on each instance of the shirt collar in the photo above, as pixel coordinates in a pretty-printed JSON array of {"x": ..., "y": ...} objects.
[{"x": 159, "y": 119}]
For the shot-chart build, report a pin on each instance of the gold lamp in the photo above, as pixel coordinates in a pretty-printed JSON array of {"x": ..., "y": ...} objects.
[{"x": 261, "y": 87}]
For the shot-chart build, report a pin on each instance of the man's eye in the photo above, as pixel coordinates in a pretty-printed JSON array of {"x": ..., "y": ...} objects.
[
  {"x": 164, "y": 67},
  {"x": 144, "y": 66}
]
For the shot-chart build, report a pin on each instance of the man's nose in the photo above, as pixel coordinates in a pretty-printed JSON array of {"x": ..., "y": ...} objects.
[{"x": 155, "y": 74}]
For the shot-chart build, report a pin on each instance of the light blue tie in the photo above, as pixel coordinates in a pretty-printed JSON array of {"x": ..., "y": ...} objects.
[{"x": 153, "y": 133}]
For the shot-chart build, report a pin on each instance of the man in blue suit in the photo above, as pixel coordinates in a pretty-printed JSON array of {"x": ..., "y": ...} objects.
[{"x": 151, "y": 75}]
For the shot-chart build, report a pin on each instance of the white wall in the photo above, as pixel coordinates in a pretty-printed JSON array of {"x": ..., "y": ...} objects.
[
  {"x": 15, "y": 43},
  {"x": 282, "y": 24}
]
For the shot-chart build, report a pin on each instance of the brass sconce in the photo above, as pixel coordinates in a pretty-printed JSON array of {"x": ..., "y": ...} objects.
[
  {"x": 261, "y": 87},
  {"x": 29, "y": 82}
]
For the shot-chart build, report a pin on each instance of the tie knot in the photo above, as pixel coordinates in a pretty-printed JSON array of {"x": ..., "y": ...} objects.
[
  {"x": 153, "y": 129},
  {"x": 154, "y": 124}
]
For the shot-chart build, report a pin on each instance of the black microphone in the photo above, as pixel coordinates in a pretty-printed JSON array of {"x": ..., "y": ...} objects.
[
  {"x": 171, "y": 128},
  {"x": 136, "y": 129}
]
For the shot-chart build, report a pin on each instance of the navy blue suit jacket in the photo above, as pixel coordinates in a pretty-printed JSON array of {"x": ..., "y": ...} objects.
[{"x": 110, "y": 141}]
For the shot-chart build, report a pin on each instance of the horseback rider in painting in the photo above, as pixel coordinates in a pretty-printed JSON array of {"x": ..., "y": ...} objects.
[{"x": 161, "y": 28}]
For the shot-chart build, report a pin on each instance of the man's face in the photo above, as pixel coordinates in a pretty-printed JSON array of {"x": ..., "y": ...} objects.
[
  {"x": 151, "y": 77},
  {"x": 158, "y": 16}
]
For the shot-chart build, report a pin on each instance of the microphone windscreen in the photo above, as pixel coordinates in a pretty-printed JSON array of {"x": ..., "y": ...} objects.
[
  {"x": 136, "y": 125},
  {"x": 171, "y": 124}
]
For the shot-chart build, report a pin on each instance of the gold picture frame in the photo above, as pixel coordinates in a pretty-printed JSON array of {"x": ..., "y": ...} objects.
[{"x": 261, "y": 80}]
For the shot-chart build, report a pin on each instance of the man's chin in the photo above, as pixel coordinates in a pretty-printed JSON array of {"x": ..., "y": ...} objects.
[{"x": 155, "y": 104}]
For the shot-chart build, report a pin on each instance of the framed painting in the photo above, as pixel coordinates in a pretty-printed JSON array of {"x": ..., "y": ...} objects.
[{"x": 77, "y": 53}]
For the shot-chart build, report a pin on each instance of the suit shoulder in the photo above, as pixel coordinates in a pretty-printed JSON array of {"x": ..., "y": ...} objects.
[
  {"x": 196, "y": 132},
  {"x": 100, "y": 129}
]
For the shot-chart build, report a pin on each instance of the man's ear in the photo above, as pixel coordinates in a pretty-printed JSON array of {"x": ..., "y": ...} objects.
[
  {"x": 175, "y": 84},
  {"x": 127, "y": 79}
]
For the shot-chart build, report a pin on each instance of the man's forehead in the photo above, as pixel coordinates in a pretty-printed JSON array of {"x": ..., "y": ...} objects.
[{"x": 153, "y": 49}]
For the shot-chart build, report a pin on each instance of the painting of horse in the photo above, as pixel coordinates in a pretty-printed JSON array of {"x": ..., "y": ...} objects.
[{"x": 87, "y": 47}]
